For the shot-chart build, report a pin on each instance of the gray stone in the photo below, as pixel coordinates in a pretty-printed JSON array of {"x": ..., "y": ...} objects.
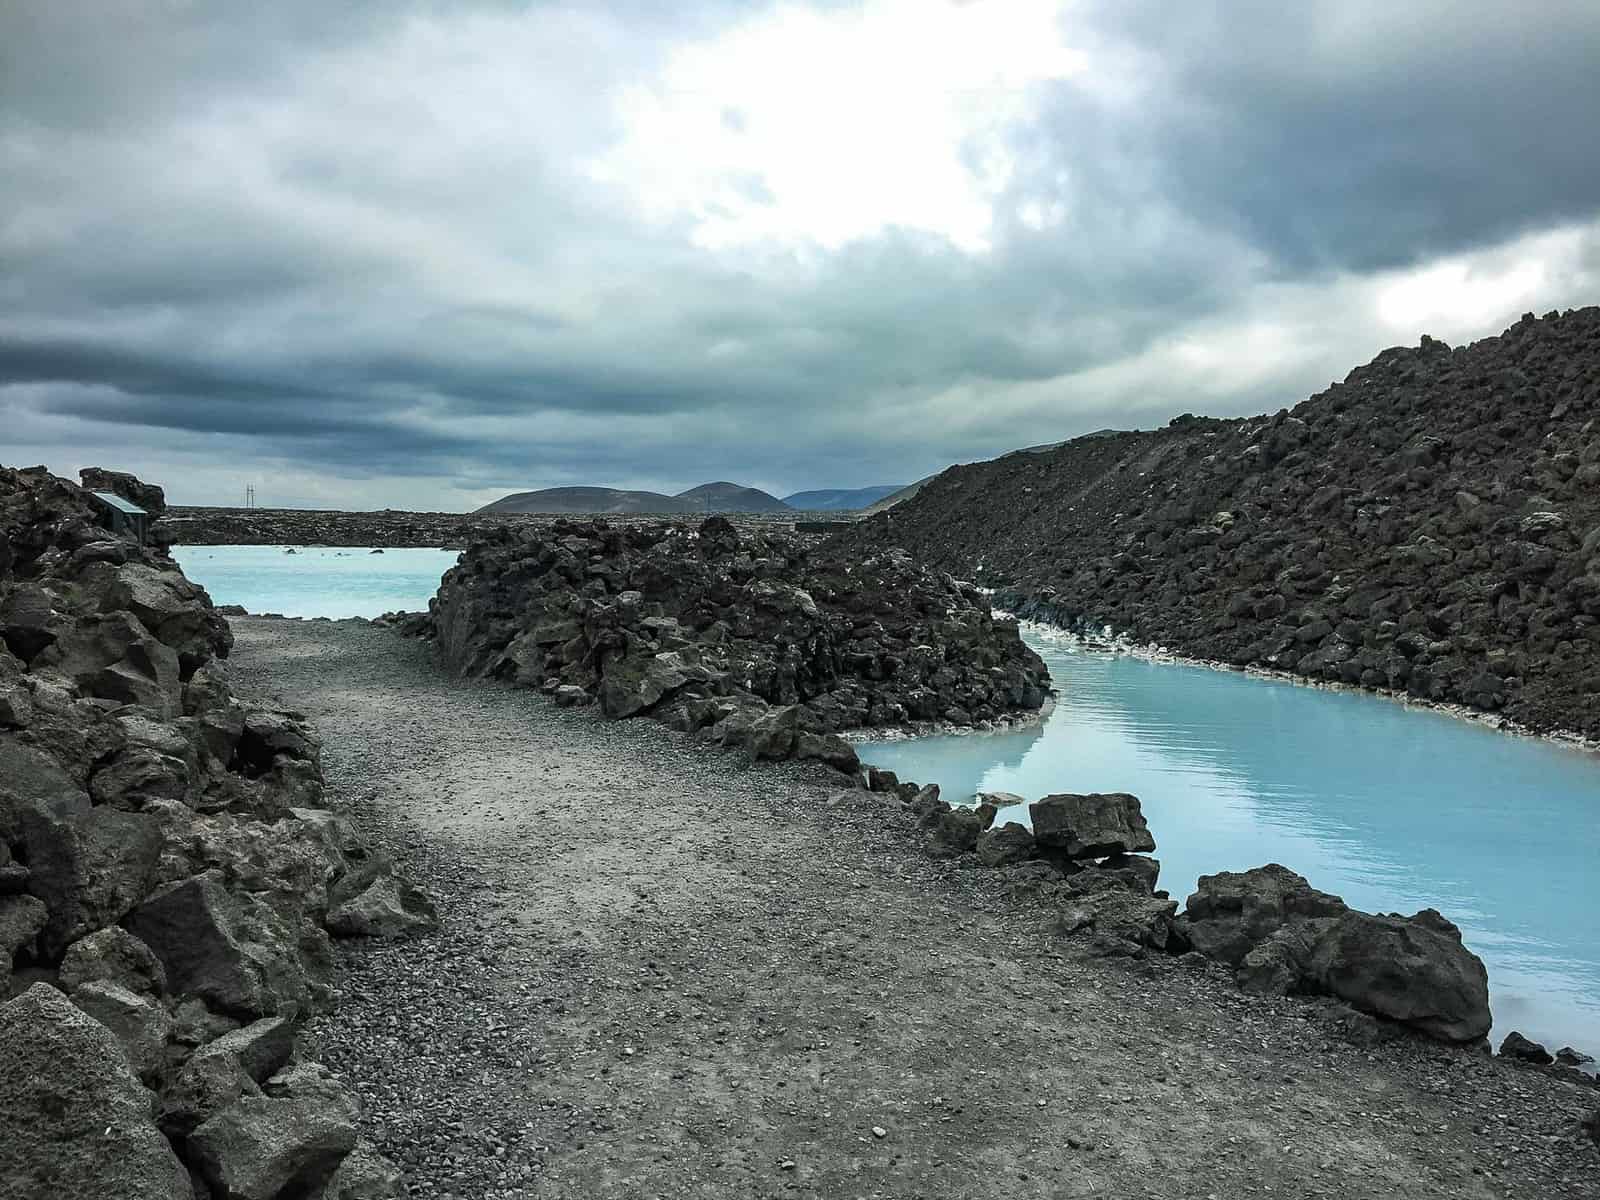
[
  {"x": 21, "y": 919},
  {"x": 115, "y": 658},
  {"x": 1232, "y": 912},
  {"x": 386, "y": 907},
  {"x": 261, "y": 1048},
  {"x": 1011, "y": 843},
  {"x": 363, "y": 1175},
  {"x": 113, "y": 955},
  {"x": 241, "y": 967},
  {"x": 139, "y": 1022},
  {"x": 1526, "y": 1049},
  {"x": 1092, "y": 825},
  {"x": 202, "y": 1088},
  {"x": 1409, "y": 969},
  {"x": 288, "y": 1141},
  {"x": 1286, "y": 937},
  {"x": 89, "y": 868},
  {"x": 953, "y": 833},
  {"x": 76, "y": 1121}
]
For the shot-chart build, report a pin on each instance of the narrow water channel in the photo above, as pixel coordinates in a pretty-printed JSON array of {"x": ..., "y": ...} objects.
[{"x": 1393, "y": 808}]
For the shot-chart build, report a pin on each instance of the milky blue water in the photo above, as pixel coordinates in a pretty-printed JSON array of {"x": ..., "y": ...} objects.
[
  {"x": 1393, "y": 808},
  {"x": 316, "y": 581}
]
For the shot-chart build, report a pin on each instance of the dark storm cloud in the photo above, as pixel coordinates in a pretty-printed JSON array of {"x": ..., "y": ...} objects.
[
  {"x": 1369, "y": 134},
  {"x": 310, "y": 234}
]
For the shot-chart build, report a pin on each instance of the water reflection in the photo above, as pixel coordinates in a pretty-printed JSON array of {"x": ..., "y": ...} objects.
[{"x": 1395, "y": 809}]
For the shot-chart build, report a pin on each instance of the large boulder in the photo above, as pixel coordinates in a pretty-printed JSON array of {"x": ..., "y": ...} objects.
[
  {"x": 1409, "y": 969},
  {"x": 384, "y": 906},
  {"x": 222, "y": 948},
  {"x": 115, "y": 658},
  {"x": 1091, "y": 826},
  {"x": 288, "y": 1141},
  {"x": 1232, "y": 912},
  {"x": 89, "y": 868},
  {"x": 75, "y": 1120},
  {"x": 1285, "y": 937}
]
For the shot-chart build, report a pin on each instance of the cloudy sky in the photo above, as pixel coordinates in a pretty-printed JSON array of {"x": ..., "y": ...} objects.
[{"x": 421, "y": 254}]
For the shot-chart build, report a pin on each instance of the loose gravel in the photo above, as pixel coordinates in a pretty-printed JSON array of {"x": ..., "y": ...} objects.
[{"x": 664, "y": 973}]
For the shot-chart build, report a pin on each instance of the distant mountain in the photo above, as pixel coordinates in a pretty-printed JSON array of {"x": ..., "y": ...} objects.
[
  {"x": 707, "y": 498},
  {"x": 589, "y": 500},
  {"x": 840, "y": 499},
  {"x": 730, "y": 497}
]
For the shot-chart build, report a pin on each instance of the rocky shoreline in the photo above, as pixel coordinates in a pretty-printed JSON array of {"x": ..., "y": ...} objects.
[
  {"x": 706, "y": 933},
  {"x": 1429, "y": 525},
  {"x": 1099, "y": 643},
  {"x": 169, "y": 884}
]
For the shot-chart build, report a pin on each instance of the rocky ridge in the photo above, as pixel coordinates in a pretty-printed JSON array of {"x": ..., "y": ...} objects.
[
  {"x": 169, "y": 880},
  {"x": 382, "y": 529},
  {"x": 752, "y": 639},
  {"x": 1430, "y": 525}
]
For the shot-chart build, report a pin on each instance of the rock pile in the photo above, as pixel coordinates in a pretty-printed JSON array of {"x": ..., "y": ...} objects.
[
  {"x": 1090, "y": 855},
  {"x": 1429, "y": 525},
  {"x": 755, "y": 639},
  {"x": 168, "y": 883}
]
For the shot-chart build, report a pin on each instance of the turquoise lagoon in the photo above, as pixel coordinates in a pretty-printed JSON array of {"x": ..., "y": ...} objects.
[
  {"x": 316, "y": 581},
  {"x": 1394, "y": 808}
]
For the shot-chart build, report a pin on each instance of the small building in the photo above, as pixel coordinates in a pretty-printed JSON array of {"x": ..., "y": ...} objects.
[{"x": 122, "y": 517}]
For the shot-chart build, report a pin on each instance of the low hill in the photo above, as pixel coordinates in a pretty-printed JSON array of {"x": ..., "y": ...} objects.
[
  {"x": 730, "y": 497},
  {"x": 840, "y": 499},
  {"x": 1429, "y": 525},
  {"x": 588, "y": 500}
]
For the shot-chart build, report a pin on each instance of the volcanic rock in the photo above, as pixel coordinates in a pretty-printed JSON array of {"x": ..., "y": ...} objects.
[
  {"x": 113, "y": 955},
  {"x": 1011, "y": 843},
  {"x": 76, "y": 1121},
  {"x": 287, "y": 1141},
  {"x": 1285, "y": 937},
  {"x": 1091, "y": 826},
  {"x": 755, "y": 636},
  {"x": 1519, "y": 1047}
]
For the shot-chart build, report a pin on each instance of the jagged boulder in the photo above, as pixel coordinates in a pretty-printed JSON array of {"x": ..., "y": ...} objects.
[
  {"x": 89, "y": 868},
  {"x": 261, "y": 1048},
  {"x": 139, "y": 1022},
  {"x": 222, "y": 948},
  {"x": 287, "y": 1141},
  {"x": 113, "y": 955},
  {"x": 1286, "y": 937},
  {"x": 375, "y": 903},
  {"x": 76, "y": 1120},
  {"x": 1092, "y": 825},
  {"x": 1230, "y": 913},
  {"x": 953, "y": 832}
]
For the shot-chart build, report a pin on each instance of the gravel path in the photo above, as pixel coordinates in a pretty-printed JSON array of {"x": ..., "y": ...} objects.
[{"x": 664, "y": 974}]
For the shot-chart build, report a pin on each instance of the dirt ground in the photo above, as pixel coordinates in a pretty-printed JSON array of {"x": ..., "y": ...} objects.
[{"x": 664, "y": 973}]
